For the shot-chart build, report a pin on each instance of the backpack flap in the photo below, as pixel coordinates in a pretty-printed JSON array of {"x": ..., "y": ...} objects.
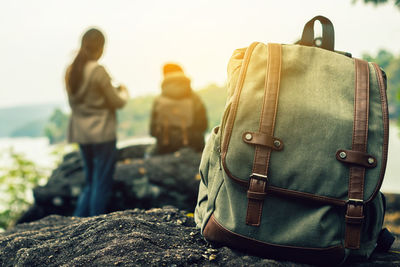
[{"x": 314, "y": 120}]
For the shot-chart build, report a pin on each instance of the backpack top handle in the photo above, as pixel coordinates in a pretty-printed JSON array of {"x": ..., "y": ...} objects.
[{"x": 328, "y": 33}]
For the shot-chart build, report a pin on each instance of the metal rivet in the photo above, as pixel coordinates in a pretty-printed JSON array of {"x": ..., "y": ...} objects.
[
  {"x": 248, "y": 136},
  {"x": 371, "y": 160},
  {"x": 277, "y": 143},
  {"x": 342, "y": 155}
]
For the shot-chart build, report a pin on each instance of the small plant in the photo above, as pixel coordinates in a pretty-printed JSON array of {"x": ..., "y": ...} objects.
[{"x": 16, "y": 183}]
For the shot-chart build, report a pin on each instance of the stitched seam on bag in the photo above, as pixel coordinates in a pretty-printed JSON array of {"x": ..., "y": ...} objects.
[
  {"x": 276, "y": 100},
  {"x": 213, "y": 206},
  {"x": 383, "y": 98},
  {"x": 263, "y": 106},
  {"x": 212, "y": 217},
  {"x": 235, "y": 102},
  {"x": 253, "y": 204}
]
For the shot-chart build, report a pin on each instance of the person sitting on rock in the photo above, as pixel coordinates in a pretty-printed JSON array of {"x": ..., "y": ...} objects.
[
  {"x": 93, "y": 100},
  {"x": 178, "y": 117}
]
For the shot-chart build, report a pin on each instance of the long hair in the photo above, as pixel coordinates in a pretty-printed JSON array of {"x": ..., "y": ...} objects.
[{"x": 91, "y": 49}]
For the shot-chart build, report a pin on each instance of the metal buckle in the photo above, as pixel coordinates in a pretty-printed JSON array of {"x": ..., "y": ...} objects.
[
  {"x": 355, "y": 202},
  {"x": 258, "y": 176}
]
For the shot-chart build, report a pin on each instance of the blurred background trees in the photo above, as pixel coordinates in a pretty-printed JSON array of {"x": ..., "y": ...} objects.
[
  {"x": 391, "y": 65},
  {"x": 134, "y": 118},
  {"x": 56, "y": 127},
  {"x": 376, "y": 2}
]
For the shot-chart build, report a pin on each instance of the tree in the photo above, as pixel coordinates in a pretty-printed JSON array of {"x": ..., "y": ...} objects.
[
  {"x": 377, "y": 2},
  {"x": 383, "y": 58},
  {"x": 391, "y": 65},
  {"x": 56, "y": 128}
]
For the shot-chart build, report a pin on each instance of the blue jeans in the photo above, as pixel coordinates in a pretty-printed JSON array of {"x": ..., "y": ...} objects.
[{"x": 99, "y": 165}]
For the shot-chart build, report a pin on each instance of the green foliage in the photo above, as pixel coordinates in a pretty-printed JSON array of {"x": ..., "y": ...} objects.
[
  {"x": 383, "y": 58},
  {"x": 56, "y": 128},
  {"x": 377, "y": 2},
  {"x": 398, "y": 101},
  {"x": 16, "y": 184},
  {"x": 393, "y": 73},
  {"x": 391, "y": 65},
  {"x": 134, "y": 118},
  {"x": 214, "y": 98}
]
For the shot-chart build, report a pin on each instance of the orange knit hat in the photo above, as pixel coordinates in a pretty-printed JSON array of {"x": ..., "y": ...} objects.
[{"x": 171, "y": 67}]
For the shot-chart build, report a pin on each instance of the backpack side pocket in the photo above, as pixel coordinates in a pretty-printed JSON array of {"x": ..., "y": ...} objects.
[{"x": 209, "y": 166}]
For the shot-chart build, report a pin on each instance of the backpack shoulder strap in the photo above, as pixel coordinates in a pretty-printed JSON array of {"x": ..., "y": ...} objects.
[
  {"x": 258, "y": 179},
  {"x": 355, "y": 204}
]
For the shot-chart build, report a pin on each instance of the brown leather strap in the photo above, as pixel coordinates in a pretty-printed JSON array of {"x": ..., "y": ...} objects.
[
  {"x": 355, "y": 205},
  {"x": 262, "y": 139},
  {"x": 256, "y": 195},
  {"x": 356, "y": 157},
  {"x": 214, "y": 232},
  {"x": 258, "y": 180}
]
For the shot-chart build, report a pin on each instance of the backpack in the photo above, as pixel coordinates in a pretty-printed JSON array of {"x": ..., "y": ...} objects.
[
  {"x": 174, "y": 118},
  {"x": 294, "y": 170}
]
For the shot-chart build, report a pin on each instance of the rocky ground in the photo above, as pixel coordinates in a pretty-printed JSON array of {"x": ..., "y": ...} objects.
[
  {"x": 155, "y": 237},
  {"x": 171, "y": 179},
  {"x": 141, "y": 234}
]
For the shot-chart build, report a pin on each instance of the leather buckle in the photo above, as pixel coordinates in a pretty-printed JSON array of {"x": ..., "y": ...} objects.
[
  {"x": 258, "y": 177},
  {"x": 355, "y": 202}
]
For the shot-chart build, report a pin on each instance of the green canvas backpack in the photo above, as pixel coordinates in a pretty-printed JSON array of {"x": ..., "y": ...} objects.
[
  {"x": 294, "y": 170},
  {"x": 174, "y": 118}
]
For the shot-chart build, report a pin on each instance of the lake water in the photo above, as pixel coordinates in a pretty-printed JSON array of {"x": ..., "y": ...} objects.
[{"x": 39, "y": 151}]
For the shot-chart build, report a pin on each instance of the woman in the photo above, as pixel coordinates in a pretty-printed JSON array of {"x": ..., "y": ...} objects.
[{"x": 93, "y": 123}]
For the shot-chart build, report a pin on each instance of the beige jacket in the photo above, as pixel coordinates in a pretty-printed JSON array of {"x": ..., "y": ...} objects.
[{"x": 93, "y": 119}]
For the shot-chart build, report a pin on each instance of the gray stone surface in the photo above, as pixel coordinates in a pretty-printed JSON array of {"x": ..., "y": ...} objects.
[
  {"x": 138, "y": 183},
  {"x": 156, "y": 237}
]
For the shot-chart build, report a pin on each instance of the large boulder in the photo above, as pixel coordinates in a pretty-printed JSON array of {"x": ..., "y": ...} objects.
[
  {"x": 139, "y": 182},
  {"x": 156, "y": 237}
]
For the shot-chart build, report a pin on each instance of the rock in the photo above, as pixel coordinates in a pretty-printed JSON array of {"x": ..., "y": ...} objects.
[
  {"x": 392, "y": 216},
  {"x": 392, "y": 202},
  {"x": 130, "y": 238},
  {"x": 132, "y": 152},
  {"x": 134, "y": 236},
  {"x": 138, "y": 183}
]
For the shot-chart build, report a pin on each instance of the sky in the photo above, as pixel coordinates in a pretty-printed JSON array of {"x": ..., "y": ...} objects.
[{"x": 40, "y": 38}]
